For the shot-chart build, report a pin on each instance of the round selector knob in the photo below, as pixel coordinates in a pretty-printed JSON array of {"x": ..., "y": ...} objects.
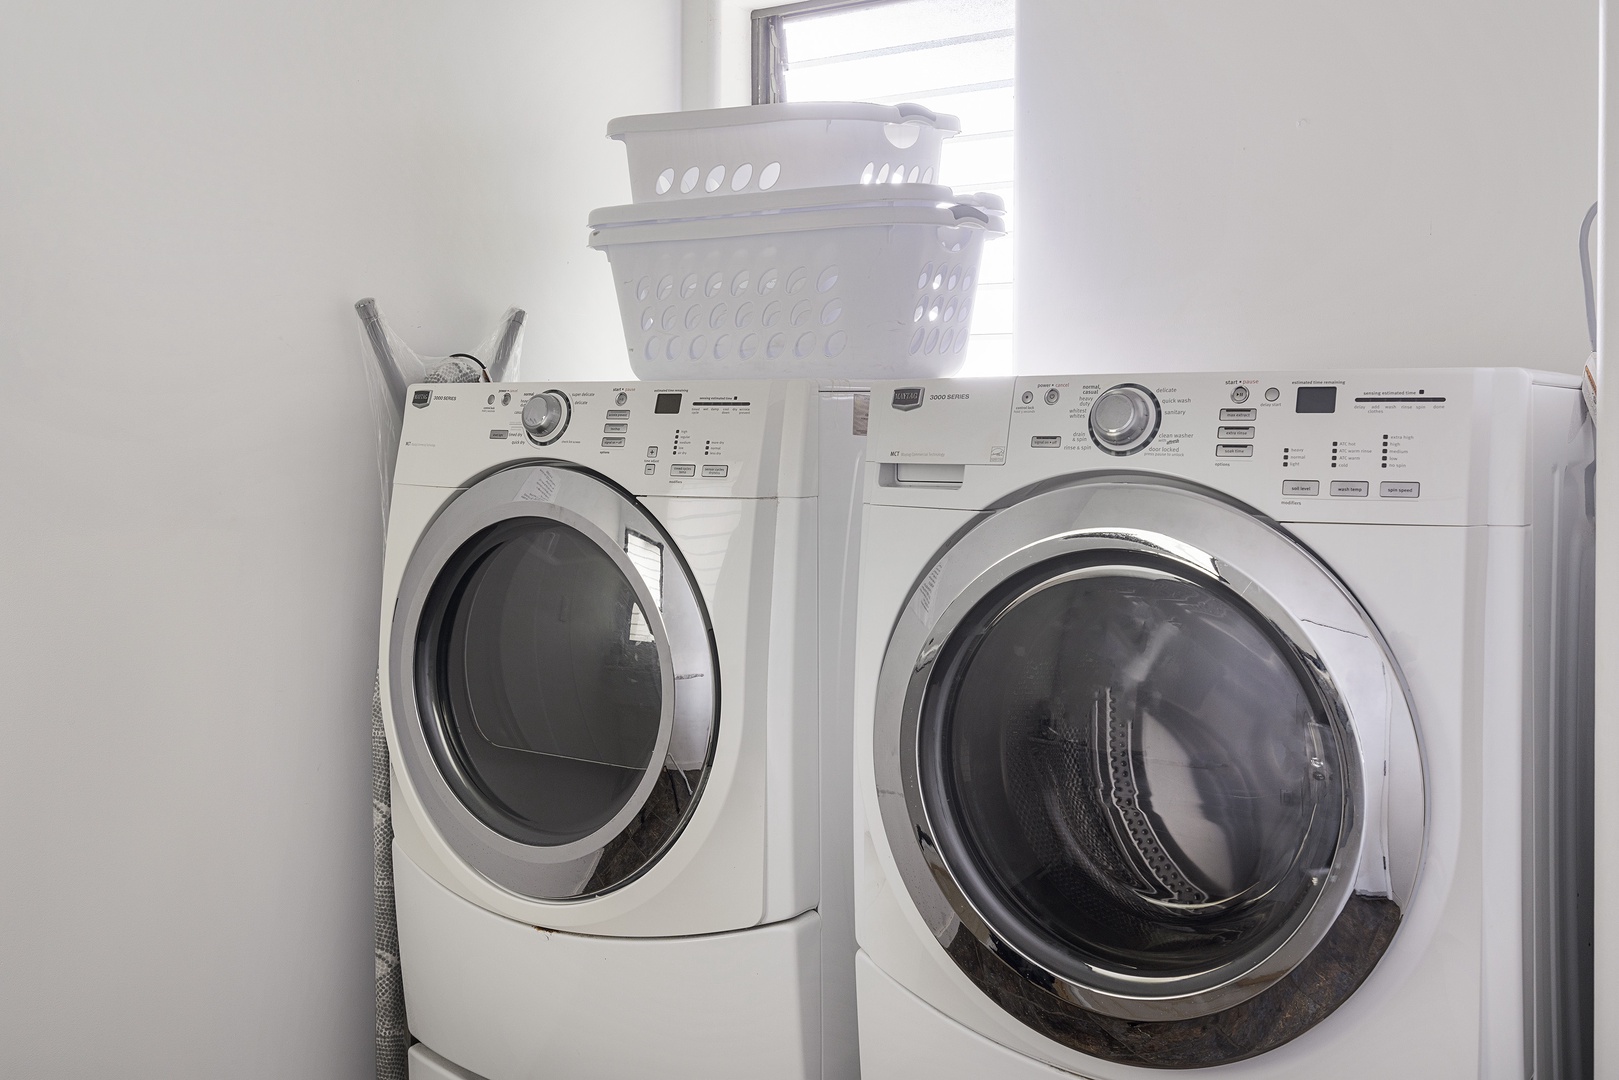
[
  {"x": 545, "y": 416},
  {"x": 1124, "y": 419}
]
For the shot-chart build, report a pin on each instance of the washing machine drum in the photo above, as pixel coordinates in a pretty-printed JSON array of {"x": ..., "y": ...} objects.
[
  {"x": 1131, "y": 740},
  {"x": 553, "y": 682}
]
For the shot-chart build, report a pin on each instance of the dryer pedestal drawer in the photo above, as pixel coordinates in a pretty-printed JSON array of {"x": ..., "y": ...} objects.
[{"x": 504, "y": 1000}]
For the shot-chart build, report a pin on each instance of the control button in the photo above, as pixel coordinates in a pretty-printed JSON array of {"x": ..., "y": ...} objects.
[
  {"x": 1239, "y": 450},
  {"x": 1399, "y": 489},
  {"x": 615, "y": 429},
  {"x": 1236, "y": 433},
  {"x": 1301, "y": 487},
  {"x": 1051, "y": 396},
  {"x": 650, "y": 467},
  {"x": 716, "y": 472},
  {"x": 1354, "y": 489},
  {"x": 1045, "y": 441},
  {"x": 1271, "y": 393},
  {"x": 505, "y": 399},
  {"x": 545, "y": 416},
  {"x": 1028, "y": 396},
  {"x": 682, "y": 470},
  {"x": 1239, "y": 394},
  {"x": 1239, "y": 416},
  {"x": 621, "y": 398},
  {"x": 613, "y": 440},
  {"x": 618, "y": 414},
  {"x": 651, "y": 452},
  {"x": 1124, "y": 419}
]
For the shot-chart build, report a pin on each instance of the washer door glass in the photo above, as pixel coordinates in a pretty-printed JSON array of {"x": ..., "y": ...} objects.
[
  {"x": 1127, "y": 774},
  {"x": 546, "y": 684}
]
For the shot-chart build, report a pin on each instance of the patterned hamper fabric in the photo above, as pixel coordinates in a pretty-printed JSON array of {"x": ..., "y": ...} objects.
[{"x": 393, "y": 1040}]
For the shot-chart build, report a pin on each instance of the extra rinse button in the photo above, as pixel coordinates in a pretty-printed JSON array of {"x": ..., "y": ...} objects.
[{"x": 1399, "y": 489}]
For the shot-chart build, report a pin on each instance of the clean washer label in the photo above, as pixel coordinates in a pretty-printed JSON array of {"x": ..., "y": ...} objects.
[{"x": 537, "y": 488}]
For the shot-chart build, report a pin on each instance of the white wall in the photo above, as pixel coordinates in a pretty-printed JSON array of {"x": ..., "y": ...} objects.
[
  {"x": 1261, "y": 183},
  {"x": 192, "y": 195},
  {"x": 1606, "y": 749}
]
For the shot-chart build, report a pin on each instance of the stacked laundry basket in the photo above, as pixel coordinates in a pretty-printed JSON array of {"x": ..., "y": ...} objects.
[{"x": 796, "y": 240}]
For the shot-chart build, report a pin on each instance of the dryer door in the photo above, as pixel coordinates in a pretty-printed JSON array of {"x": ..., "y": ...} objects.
[
  {"x": 1130, "y": 746},
  {"x": 553, "y": 682}
]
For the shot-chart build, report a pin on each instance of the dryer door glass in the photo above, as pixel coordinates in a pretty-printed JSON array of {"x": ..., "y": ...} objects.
[
  {"x": 546, "y": 682},
  {"x": 1127, "y": 774}
]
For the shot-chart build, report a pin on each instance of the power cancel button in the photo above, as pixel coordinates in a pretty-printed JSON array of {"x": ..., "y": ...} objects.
[{"x": 1399, "y": 489}]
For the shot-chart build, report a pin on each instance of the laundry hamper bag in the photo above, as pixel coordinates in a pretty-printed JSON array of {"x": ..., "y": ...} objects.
[
  {"x": 798, "y": 144},
  {"x": 839, "y": 283}
]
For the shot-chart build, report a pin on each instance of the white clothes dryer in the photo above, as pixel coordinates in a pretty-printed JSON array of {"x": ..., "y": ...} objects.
[
  {"x": 616, "y": 695},
  {"x": 1228, "y": 722}
]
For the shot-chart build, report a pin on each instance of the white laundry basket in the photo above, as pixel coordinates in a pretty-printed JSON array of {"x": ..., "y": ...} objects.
[
  {"x": 847, "y": 282},
  {"x": 800, "y": 144}
]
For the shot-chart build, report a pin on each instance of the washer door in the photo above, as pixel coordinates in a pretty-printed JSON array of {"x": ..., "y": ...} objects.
[
  {"x": 1130, "y": 745},
  {"x": 553, "y": 682}
]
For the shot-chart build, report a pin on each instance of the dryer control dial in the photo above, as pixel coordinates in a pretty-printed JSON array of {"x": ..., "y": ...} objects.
[
  {"x": 1124, "y": 419},
  {"x": 545, "y": 416}
]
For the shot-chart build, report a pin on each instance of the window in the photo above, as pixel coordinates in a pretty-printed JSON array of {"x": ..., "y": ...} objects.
[{"x": 954, "y": 56}]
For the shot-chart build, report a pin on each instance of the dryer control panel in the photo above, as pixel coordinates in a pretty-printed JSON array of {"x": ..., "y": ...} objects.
[
  {"x": 1421, "y": 446},
  {"x": 748, "y": 439}
]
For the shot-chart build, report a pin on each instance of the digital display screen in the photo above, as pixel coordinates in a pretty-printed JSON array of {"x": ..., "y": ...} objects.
[
  {"x": 668, "y": 403},
  {"x": 1317, "y": 399}
]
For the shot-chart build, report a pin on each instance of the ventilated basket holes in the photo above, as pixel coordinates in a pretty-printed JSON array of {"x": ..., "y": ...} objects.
[
  {"x": 800, "y": 313},
  {"x": 868, "y": 172},
  {"x": 949, "y": 311},
  {"x": 643, "y": 288},
  {"x": 915, "y": 172},
  {"x": 715, "y": 282},
  {"x": 740, "y": 178},
  {"x": 835, "y": 343},
  {"x": 921, "y": 310},
  {"x": 744, "y": 314},
  {"x": 699, "y": 347},
  {"x": 899, "y": 173},
  {"x": 832, "y": 312},
  {"x": 767, "y": 281},
  {"x": 797, "y": 280},
  {"x": 828, "y": 278},
  {"x": 916, "y": 342},
  {"x": 927, "y": 273},
  {"x": 804, "y": 345},
  {"x": 739, "y": 284},
  {"x": 674, "y": 349},
  {"x": 688, "y": 287},
  {"x": 716, "y": 177},
  {"x": 771, "y": 314},
  {"x": 667, "y": 322},
  {"x": 882, "y": 174},
  {"x": 775, "y": 346},
  {"x": 927, "y": 176},
  {"x": 722, "y": 346},
  {"x": 748, "y": 346},
  {"x": 666, "y": 286},
  {"x": 769, "y": 175},
  {"x": 932, "y": 341},
  {"x": 653, "y": 348},
  {"x": 694, "y": 316},
  {"x": 947, "y": 339},
  {"x": 902, "y": 136},
  {"x": 967, "y": 280},
  {"x": 933, "y": 311},
  {"x": 716, "y": 318},
  {"x": 953, "y": 280},
  {"x": 688, "y": 179},
  {"x": 666, "y": 180},
  {"x": 963, "y": 315},
  {"x": 961, "y": 341},
  {"x": 649, "y": 319}
]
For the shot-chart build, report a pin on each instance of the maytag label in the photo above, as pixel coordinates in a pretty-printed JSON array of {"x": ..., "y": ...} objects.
[{"x": 942, "y": 422}]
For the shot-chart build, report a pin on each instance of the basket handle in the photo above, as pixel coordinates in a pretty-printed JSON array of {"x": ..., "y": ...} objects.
[
  {"x": 922, "y": 112},
  {"x": 970, "y": 215}
]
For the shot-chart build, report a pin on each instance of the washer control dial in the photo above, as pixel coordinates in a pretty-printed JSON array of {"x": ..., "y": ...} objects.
[
  {"x": 545, "y": 416},
  {"x": 1124, "y": 419}
]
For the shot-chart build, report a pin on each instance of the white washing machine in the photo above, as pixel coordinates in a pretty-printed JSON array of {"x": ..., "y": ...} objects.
[
  {"x": 616, "y": 747},
  {"x": 1236, "y": 723}
]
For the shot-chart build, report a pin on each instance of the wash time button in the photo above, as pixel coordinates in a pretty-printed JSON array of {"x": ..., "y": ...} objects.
[
  {"x": 1399, "y": 489},
  {"x": 1353, "y": 489}
]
